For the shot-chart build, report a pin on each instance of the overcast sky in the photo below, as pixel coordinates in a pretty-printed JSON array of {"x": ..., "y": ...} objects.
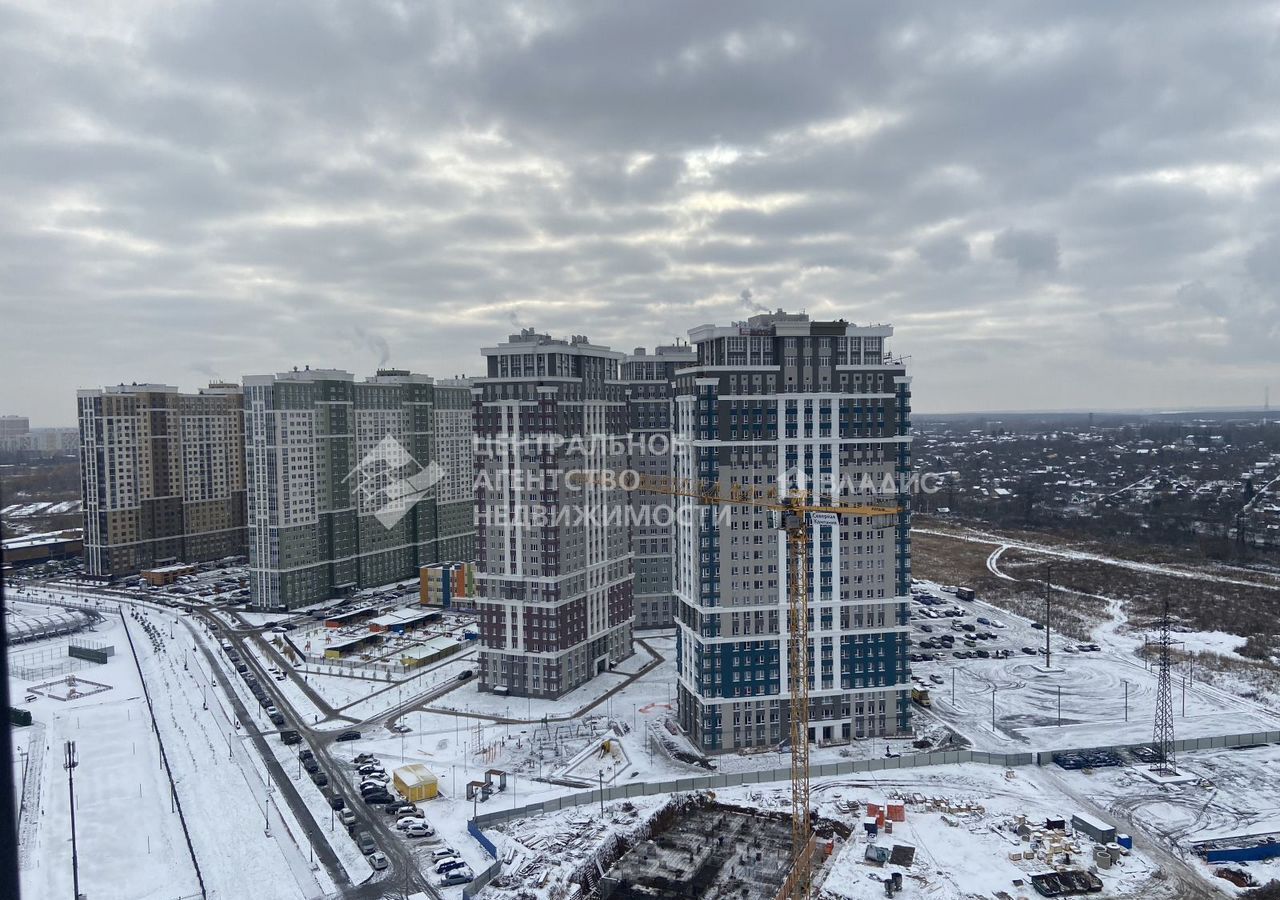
[{"x": 1058, "y": 205}]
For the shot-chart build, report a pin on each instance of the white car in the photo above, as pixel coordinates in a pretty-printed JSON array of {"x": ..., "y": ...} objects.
[
  {"x": 412, "y": 822},
  {"x": 417, "y": 830},
  {"x": 443, "y": 853}
]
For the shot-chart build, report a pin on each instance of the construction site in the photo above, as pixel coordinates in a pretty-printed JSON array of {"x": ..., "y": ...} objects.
[{"x": 713, "y": 851}]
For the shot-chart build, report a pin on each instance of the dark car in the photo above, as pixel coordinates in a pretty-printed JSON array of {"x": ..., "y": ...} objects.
[
  {"x": 982, "y": 654},
  {"x": 335, "y": 800},
  {"x": 926, "y": 628},
  {"x": 320, "y": 779},
  {"x": 374, "y": 799},
  {"x": 364, "y": 840},
  {"x": 401, "y": 809},
  {"x": 291, "y": 737},
  {"x": 464, "y": 674},
  {"x": 241, "y": 668},
  {"x": 276, "y": 719},
  {"x": 311, "y": 766},
  {"x": 1029, "y": 651},
  {"x": 264, "y": 701},
  {"x": 348, "y": 736},
  {"x": 306, "y": 754},
  {"x": 1039, "y": 625}
]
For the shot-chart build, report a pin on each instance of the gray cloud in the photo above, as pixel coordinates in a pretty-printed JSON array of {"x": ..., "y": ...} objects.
[
  {"x": 253, "y": 187},
  {"x": 944, "y": 252},
  {"x": 1033, "y": 252}
]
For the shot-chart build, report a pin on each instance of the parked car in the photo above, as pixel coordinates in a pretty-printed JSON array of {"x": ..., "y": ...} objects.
[
  {"x": 276, "y": 718},
  {"x": 348, "y": 736},
  {"x": 927, "y": 628},
  {"x": 347, "y": 817},
  {"x": 365, "y": 757},
  {"x": 416, "y": 831},
  {"x": 370, "y": 768},
  {"x": 936, "y": 679},
  {"x": 364, "y": 840},
  {"x": 457, "y": 876},
  {"x": 290, "y": 737},
  {"x": 306, "y": 754},
  {"x": 405, "y": 809},
  {"x": 1029, "y": 651},
  {"x": 464, "y": 674},
  {"x": 378, "y": 860},
  {"x": 335, "y": 800},
  {"x": 311, "y": 766},
  {"x": 411, "y": 821},
  {"x": 442, "y": 853},
  {"x": 320, "y": 779},
  {"x": 375, "y": 799}
]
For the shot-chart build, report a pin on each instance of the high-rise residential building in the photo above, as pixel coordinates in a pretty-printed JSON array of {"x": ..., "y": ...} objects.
[
  {"x": 649, "y": 378},
  {"x": 782, "y": 402},
  {"x": 342, "y": 481},
  {"x": 162, "y": 475},
  {"x": 554, "y": 586},
  {"x": 455, "y": 454},
  {"x": 14, "y": 426}
]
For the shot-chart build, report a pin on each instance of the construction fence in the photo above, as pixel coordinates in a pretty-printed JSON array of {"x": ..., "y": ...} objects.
[{"x": 851, "y": 767}]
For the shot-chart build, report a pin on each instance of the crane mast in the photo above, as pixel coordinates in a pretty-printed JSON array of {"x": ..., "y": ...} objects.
[{"x": 793, "y": 524}]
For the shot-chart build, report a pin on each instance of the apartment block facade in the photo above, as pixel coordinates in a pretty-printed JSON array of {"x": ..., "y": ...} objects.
[
  {"x": 341, "y": 490},
  {"x": 555, "y": 571},
  {"x": 782, "y": 402},
  {"x": 162, "y": 475},
  {"x": 650, "y": 378}
]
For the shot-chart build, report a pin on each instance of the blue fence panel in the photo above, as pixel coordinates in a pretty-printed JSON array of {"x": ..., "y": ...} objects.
[{"x": 479, "y": 835}]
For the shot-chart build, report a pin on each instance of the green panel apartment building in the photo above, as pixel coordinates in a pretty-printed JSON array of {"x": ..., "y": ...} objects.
[{"x": 353, "y": 484}]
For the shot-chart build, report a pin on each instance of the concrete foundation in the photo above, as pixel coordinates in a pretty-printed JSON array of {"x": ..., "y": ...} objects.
[{"x": 714, "y": 853}]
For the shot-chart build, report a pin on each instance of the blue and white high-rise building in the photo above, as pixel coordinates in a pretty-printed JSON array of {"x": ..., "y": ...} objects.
[{"x": 784, "y": 401}]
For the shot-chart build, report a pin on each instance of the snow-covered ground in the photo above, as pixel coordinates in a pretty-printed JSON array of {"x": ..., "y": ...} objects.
[
  {"x": 129, "y": 842},
  {"x": 1237, "y": 793},
  {"x": 959, "y": 820}
]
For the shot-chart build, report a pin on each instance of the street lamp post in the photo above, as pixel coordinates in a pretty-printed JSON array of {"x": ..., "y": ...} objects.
[
  {"x": 1048, "y": 608},
  {"x": 1126, "y": 698},
  {"x": 601, "y": 776}
]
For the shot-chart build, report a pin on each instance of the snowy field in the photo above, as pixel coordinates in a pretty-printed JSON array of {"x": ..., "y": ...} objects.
[
  {"x": 119, "y": 780},
  {"x": 1237, "y": 793}
]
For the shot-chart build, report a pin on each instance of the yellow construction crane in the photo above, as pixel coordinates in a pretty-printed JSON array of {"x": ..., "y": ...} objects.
[{"x": 792, "y": 510}]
